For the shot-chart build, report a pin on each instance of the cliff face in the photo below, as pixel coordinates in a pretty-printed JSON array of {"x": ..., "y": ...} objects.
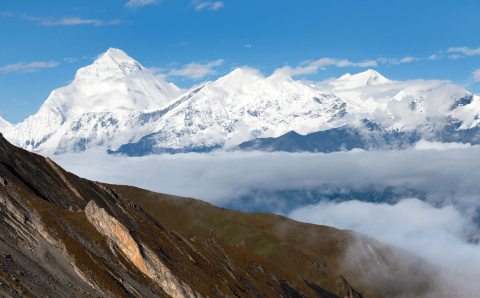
[{"x": 63, "y": 236}]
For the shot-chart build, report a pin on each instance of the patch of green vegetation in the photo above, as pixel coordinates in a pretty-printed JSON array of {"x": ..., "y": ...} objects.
[{"x": 267, "y": 247}]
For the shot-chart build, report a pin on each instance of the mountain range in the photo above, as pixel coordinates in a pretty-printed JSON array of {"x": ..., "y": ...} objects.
[{"x": 120, "y": 106}]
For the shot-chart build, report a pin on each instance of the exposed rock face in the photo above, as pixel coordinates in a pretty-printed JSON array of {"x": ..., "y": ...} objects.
[
  {"x": 140, "y": 255},
  {"x": 63, "y": 236}
]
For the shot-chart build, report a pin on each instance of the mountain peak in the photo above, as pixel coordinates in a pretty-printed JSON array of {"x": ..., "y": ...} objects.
[
  {"x": 366, "y": 78},
  {"x": 114, "y": 81},
  {"x": 112, "y": 64},
  {"x": 240, "y": 78},
  {"x": 117, "y": 56},
  {"x": 370, "y": 77}
]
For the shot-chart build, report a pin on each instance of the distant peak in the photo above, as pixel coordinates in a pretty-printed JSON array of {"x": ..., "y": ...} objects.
[
  {"x": 371, "y": 75},
  {"x": 243, "y": 73},
  {"x": 118, "y": 56},
  {"x": 112, "y": 62},
  {"x": 368, "y": 77}
]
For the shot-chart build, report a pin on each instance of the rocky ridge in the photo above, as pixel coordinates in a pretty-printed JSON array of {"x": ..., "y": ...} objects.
[{"x": 66, "y": 236}]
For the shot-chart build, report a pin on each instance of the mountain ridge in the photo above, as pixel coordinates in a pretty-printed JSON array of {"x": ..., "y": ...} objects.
[{"x": 109, "y": 102}]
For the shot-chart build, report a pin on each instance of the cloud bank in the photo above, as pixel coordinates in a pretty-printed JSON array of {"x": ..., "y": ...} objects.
[{"x": 435, "y": 229}]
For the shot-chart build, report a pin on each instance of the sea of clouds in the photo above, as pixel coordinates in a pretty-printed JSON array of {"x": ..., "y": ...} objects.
[{"x": 436, "y": 227}]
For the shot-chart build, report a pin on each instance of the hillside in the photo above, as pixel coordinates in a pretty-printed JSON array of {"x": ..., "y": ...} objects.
[
  {"x": 337, "y": 260},
  {"x": 64, "y": 236}
]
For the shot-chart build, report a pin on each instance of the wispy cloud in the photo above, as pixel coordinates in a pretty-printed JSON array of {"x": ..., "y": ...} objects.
[
  {"x": 409, "y": 59},
  {"x": 248, "y": 46},
  {"x": 66, "y": 21},
  {"x": 20, "y": 102},
  {"x": 76, "y": 21},
  {"x": 6, "y": 14},
  {"x": 208, "y": 5},
  {"x": 313, "y": 66},
  {"x": 70, "y": 60},
  {"x": 140, "y": 3},
  {"x": 194, "y": 70},
  {"x": 366, "y": 63},
  {"x": 465, "y": 50},
  {"x": 388, "y": 61},
  {"x": 476, "y": 75},
  {"x": 30, "y": 67},
  {"x": 455, "y": 56}
]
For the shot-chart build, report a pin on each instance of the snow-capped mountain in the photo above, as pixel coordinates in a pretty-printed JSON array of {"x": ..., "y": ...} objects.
[
  {"x": 118, "y": 105},
  {"x": 367, "y": 78},
  {"x": 4, "y": 124},
  {"x": 241, "y": 106},
  {"x": 245, "y": 106},
  {"x": 111, "y": 90}
]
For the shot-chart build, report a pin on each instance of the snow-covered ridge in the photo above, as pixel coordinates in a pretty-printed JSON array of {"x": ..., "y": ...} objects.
[
  {"x": 4, "y": 124},
  {"x": 116, "y": 101}
]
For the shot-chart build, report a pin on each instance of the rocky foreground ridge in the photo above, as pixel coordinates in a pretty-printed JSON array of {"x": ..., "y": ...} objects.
[{"x": 64, "y": 236}]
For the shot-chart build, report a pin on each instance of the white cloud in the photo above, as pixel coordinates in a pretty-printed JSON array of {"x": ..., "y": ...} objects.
[
  {"x": 208, "y": 5},
  {"x": 455, "y": 56},
  {"x": 196, "y": 70},
  {"x": 476, "y": 75},
  {"x": 140, "y": 3},
  {"x": 313, "y": 66},
  {"x": 389, "y": 61},
  {"x": 77, "y": 21},
  {"x": 465, "y": 50},
  {"x": 70, "y": 60},
  {"x": 248, "y": 46},
  {"x": 437, "y": 235},
  {"x": 70, "y": 21},
  {"x": 409, "y": 59},
  {"x": 30, "y": 67},
  {"x": 366, "y": 63},
  {"x": 299, "y": 70},
  {"x": 426, "y": 145},
  {"x": 433, "y": 57},
  {"x": 448, "y": 175}
]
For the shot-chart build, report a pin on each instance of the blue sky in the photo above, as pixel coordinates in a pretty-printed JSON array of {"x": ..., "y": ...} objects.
[{"x": 44, "y": 43}]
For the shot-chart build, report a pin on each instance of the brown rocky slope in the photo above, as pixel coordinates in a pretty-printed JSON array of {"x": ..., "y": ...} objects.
[
  {"x": 344, "y": 262},
  {"x": 63, "y": 236}
]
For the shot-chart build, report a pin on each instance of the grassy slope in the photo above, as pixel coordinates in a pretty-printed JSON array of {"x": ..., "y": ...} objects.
[{"x": 308, "y": 251}]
